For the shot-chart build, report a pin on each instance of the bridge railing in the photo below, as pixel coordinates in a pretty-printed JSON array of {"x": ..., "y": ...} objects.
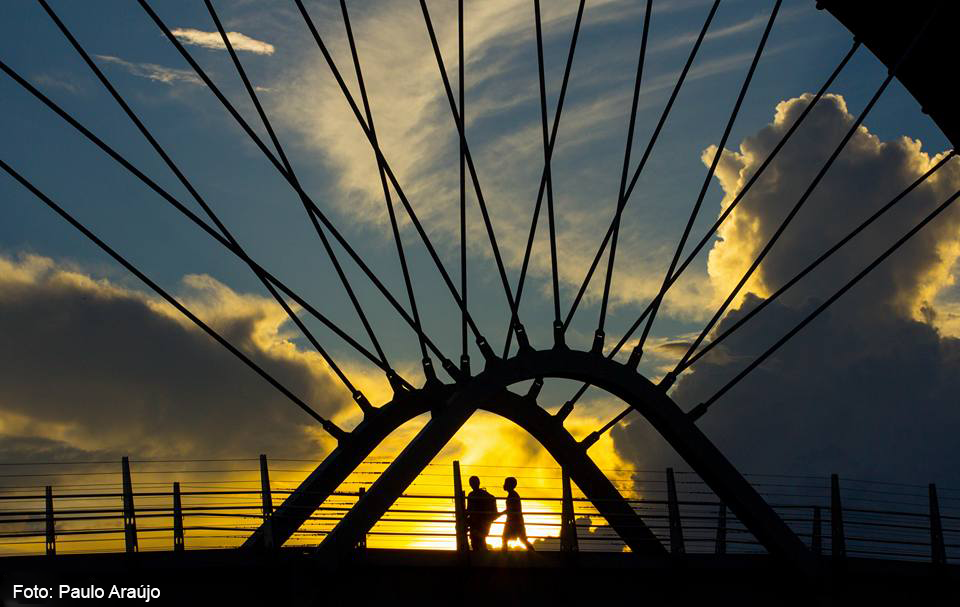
[{"x": 84, "y": 507}]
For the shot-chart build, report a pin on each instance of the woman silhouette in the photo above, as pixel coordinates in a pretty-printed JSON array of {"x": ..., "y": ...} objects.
[{"x": 514, "y": 528}]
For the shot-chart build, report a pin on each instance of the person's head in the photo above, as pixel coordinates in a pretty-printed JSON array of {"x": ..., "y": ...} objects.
[
  {"x": 510, "y": 483},
  {"x": 474, "y": 482}
]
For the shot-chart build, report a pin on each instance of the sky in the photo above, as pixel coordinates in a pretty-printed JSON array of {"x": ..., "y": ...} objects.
[{"x": 94, "y": 364}]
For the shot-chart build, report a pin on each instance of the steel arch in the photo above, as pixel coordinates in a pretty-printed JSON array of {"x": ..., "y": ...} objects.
[
  {"x": 523, "y": 411},
  {"x": 453, "y": 406}
]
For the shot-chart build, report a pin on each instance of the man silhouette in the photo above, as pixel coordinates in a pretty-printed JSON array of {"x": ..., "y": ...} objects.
[
  {"x": 481, "y": 512},
  {"x": 514, "y": 527}
]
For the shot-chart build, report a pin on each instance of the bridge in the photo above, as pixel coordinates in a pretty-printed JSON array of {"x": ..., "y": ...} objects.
[
  {"x": 356, "y": 528},
  {"x": 181, "y": 525}
]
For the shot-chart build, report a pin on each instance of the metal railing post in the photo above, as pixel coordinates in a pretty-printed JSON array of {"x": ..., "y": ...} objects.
[
  {"x": 938, "y": 551},
  {"x": 51, "y": 526},
  {"x": 129, "y": 512},
  {"x": 266, "y": 502},
  {"x": 568, "y": 519},
  {"x": 459, "y": 510},
  {"x": 177, "y": 519},
  {"x": 838, "y": 546},
  {"x": 362, "y": 544},
  {"x": 816, "y": 541},
  {"x": 673, "y": 509},
  {"x": 721, "y": 543}
]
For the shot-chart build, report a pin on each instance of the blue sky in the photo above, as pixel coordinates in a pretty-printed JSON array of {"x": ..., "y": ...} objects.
[{"x": 336, "y": 166}]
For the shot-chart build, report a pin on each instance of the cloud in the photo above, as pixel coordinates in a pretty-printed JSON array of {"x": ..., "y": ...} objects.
[
  {"x": 869, "y": 388},
  {"x": 93, "y": 370},
  {"x": 675, "y": 347},
  {"x": 49, "y": 81},
  {"x": 868, "y": 174},
  {"x": 152, "y": 71},
  {"x": 213, "y": 40},
  {"x": 587, "y": 533},
  {"x": 90, "y": 366},
  {"x": 415, "y": 129},
  {"x": 686, "y": 39}
]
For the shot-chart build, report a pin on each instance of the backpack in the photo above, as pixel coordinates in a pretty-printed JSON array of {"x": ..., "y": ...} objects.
[{"x": 488, "y": 505}]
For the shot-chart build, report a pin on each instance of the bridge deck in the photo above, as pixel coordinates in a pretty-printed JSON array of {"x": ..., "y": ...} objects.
[{"x": 389, "y": 576}]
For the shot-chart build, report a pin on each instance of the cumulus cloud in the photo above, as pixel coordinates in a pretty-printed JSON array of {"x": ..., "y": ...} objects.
[
  {"x": 868, "y": 174},
  {"x": 90, "y": 367},
  {"x": 870, "y": 387},
  {"x": 416, "y": 131},
  {"x": 213, "y": 40},
  {"x": 152, "y": 71},
  {"x": 92, "y": 370}
]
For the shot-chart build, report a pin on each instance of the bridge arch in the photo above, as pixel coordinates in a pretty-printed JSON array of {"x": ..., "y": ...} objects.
[
  {"x": 523, "y": 411},
  {"x": 451, "y": 406}
]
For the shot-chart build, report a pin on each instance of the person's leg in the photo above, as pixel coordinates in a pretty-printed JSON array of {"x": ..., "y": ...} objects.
[
  {"x": 482, "y": 533},
  {"x": 526, "y": 542}
]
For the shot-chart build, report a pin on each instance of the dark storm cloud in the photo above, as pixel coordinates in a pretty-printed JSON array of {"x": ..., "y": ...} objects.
[
  {"x": 870, "y": 388},
  {"x": 674, "y": 347},
  {"x": 87, "y": 367}
]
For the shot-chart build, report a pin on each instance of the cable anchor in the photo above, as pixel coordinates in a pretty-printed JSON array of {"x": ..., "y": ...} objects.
[
  {"x": 598, "y": 337},
  {"x": 559, "y": 334}
]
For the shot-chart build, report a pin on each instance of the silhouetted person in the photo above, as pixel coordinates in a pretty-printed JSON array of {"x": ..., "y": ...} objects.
[
  {"x": 514, "y": 528},
  {"x": 481, "y": 512}
]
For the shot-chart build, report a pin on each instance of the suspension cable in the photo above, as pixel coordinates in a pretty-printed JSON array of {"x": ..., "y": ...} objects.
[
  {"x": 386, "y": 188},
  {"x": 730, "y": 208},
  {"x": 743, "y": 192},
  {"x": 480, "y": 340},
  {"x": 294, "y": 184},
  {"x": 185, "y": 211},
  {"x": 698, "y": 411},
  {"x": 892, "y": 72},
  {"x": 709, "y": 177},
  {"x": 643, "y": 161},
  {"x": 546, "y": 163},
  {"x": 813, "y": 265},
  {"x": 461, "y": 76},
  {"x": 668, "y": 380},
  {"x": 599, "y": 334},
  {"x": 484, "y": 212},
  {"x": 763, "y": 304},
  {"x": 331, "y": 428},
  {"x": 331, "y": 254},
  {"x": 557, "y": 328},
  {"x": 357, "y": 395}
]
